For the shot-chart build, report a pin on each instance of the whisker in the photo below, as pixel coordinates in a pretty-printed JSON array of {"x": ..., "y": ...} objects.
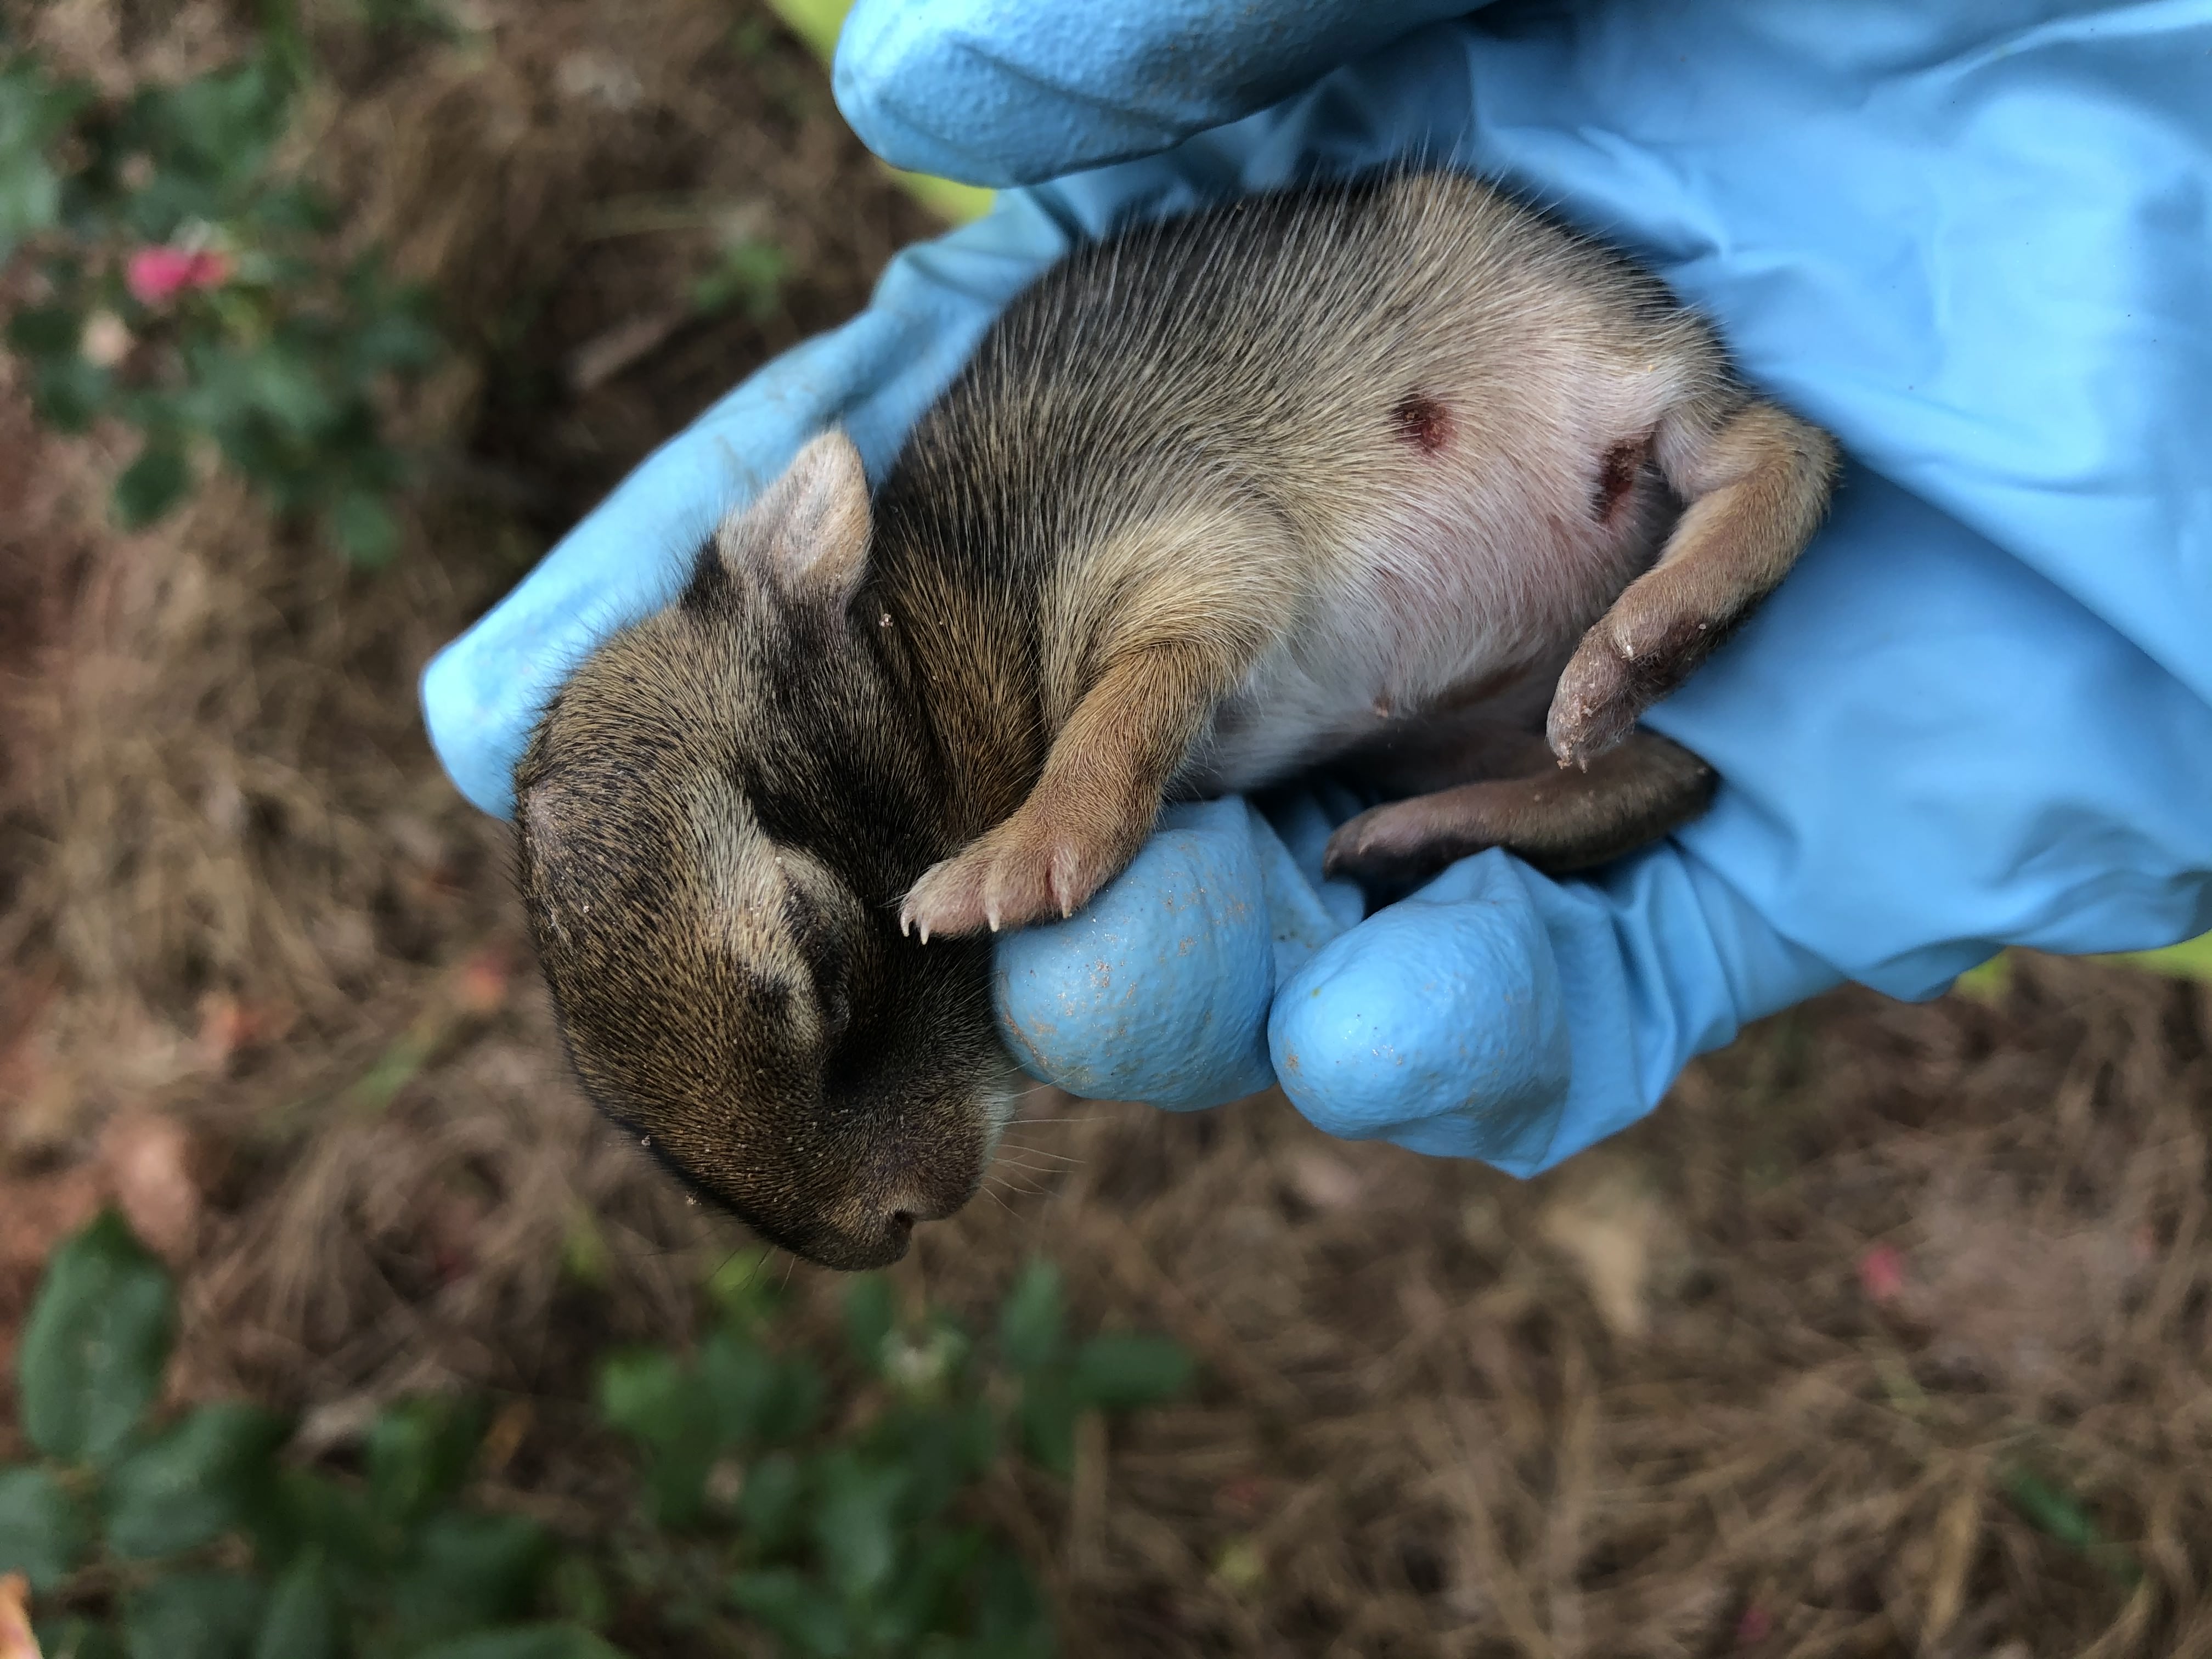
[
  {"x": 1057, "y": 1165},
  {"x": 1028, "y": 1158},
  {"x": 1032, "y": 1169},
  {"x": 1040, "y": 1151}
]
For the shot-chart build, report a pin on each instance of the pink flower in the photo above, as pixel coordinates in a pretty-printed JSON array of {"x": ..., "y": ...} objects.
[
  {"x": 153, "y": 274},
  {"x": 1882, "y": 1273}
]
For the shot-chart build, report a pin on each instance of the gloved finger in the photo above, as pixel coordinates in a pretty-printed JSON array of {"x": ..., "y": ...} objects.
[
  {"x": 1501, "y": 1015},
  {"x": 1158, "y": 990},
  {"x": 626, "y": 557},
  {"x": 1010, "y": 92}
]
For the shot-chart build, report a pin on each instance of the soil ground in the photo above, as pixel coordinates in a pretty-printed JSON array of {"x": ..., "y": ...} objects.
[{"x": 1796, "y": 1367}]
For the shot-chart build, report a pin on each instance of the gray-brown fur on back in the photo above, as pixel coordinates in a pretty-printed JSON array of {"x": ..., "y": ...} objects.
[{"x": 1263, "y": 356}]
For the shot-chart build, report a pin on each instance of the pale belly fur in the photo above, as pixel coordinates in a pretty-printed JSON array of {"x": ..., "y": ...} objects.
[{"x": 1469, "y": 588}]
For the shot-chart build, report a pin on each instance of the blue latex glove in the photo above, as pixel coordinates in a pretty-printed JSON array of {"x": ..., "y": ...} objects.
[{"x": 1973, "y": 240}]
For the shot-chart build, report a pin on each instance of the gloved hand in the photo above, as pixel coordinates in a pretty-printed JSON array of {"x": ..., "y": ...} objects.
[{"x": 1968, "y": 239}]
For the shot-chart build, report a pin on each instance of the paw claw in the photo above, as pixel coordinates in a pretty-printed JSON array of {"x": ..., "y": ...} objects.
[
  {"x": 1020, "y": 873},
  {"x": 942, "y": 902},
  {"x": 1065, "y": 882}
]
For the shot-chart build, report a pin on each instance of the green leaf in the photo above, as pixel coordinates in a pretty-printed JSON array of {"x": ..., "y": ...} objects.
[
  {"x": 791, "y": 1406},
  {"x": 364, "y": 529},
  {"x": 769, "y": 1502},
  {"x": 150, "y": 485},
  {"x": 313, "y": 1513},
  {"x": 33, "y": 110},
  {"x": 641, "y": 1392},
  {"x": 69, "y": 390},
  {"x": 528, "y": 1642},
  {"x": 210, "y": 136},
  {"x": 1047, "y": 1421},
  {"x": 418, "y": 1453},
  {"x": 289, "y": 208},
  {"x": 856, "y": 1524},
  {"x": 2059, "y": 1514},
  {"x": 465, "y": 1572},
  {"x": 584, "y": 1259},
  {"x": 302, "y": 1620},
  {"x": 42, "y": 1530},
  {"x": 1032, "y": 1319},
  {"x": 751, "y": 276},
  {"x": 2052, "y": 1510},
  {"x": 1121, "y": 1372},
  {"x": 96, "y": 1344},
  {"x": 194, "y": 1615},
  {"x": 804, "y": 1613},
  {"x": 392, "y": 333},
  {"x": 925, "y": 1596},
  {"x": 1013, "y": 1618},
  {"x": 576, "y": 1589},
  {"x": 75, "y": 1637},
  {"x": 283, "y": 384},
  {"x": 942, "y": 1450},
  {"x": 870, "y": 1315},
  {"x": 422, "y": 16},
  {"x": 34, "y": 107},
  {"x": 198, "y": 1480},
  {"x": 739, "y": 1379},
  {"x": 649, "y": 1396},
  {"x": 46, "y": 331}
]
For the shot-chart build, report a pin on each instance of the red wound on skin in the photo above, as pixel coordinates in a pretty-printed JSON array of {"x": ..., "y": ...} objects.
[
  {"x": 1616, "y": 477},
  {"x": 1422, "y": 422}
]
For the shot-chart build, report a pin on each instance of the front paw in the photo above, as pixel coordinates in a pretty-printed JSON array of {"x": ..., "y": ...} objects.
[{"x": 1028, "y": 869}]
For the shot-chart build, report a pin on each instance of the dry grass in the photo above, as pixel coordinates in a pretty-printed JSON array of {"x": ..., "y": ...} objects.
[{"x": 1661, "y": 1402}]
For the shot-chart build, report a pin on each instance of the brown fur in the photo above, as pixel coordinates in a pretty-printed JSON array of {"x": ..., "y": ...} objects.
[{"x": 1217, "y": 499}]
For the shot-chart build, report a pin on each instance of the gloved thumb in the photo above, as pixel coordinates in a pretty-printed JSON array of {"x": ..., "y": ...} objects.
[
  {"x": 1503, "y": 1015},
  {"x": 1159, "y": 990}
]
